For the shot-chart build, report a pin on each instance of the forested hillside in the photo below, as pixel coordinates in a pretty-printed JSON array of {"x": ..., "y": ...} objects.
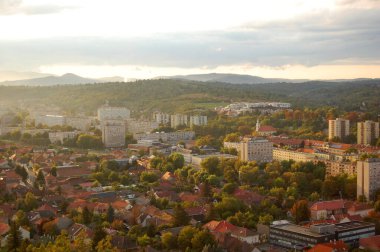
[{"x": 184, "y": 96}]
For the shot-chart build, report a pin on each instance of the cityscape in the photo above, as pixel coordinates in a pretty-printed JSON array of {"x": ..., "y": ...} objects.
[{"x": 244, "y": 126}]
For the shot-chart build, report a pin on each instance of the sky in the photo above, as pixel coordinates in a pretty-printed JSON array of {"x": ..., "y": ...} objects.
[{"x": 324, "y": 39}]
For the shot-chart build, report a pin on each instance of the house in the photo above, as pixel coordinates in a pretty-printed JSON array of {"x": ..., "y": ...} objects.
[
  {"x": 77, "y": 228},
  {"x": 224, "y": 227},
  {"x": 332, "y": 246},
  {"x": 197, "y": 213},
  {"x": 324, "y": 209},
  {"x": 358, "y": 208},
  {"x": 370, "y": 243}
]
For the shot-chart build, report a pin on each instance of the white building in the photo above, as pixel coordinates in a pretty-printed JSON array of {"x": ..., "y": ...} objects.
[
  {"x": 368, "y": 131},
  {"x": 113, "y": 133},
  {"x": 161, "y": 118},
  {"x": 198, "y": 120},
  {"x": 177, "y": 120},
  {"x": 107, "y": 112},
  {"x": 59, "y": 137},
  {"x": 137, "y": 126},
  {"x": 339, "y": 128},
  {"x": 368, "y": 178},
  {"x": 165, "y": 137},
  {"x": 260, "y": 150},
  {"x": 50, "y": 120}
]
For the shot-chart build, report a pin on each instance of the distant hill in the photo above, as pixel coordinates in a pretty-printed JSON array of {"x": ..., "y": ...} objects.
[
  {"x": 66, "y": 79},
  {"x": 232, "y": 78}
]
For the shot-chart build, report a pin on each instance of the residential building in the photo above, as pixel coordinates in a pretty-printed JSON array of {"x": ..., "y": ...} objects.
[
  {"x": 325, "y": 209},
  {"x": 113, "y": 133},
  {"x": 77, "y": 122},
  {"x": 177, "y": 120},
  {"x": 339, "y": 128},
  {"x": 137, "y": 126},
  {"x": 161, "y": 118},
  {"x": 165, "y": 137},
  {"x": 50, "y": 120},
  {"x": 368, "y": 177},
  {"x": 107, "y": 112},
  {"x": 60, "y": 137},
  {"x": 368, "y": 131},
  {"x": 260, "y": 150},
  {"x": 198, "y": 120},
  {"x": 334, "y": 168},
  {"x": 300, "y": 155},
  {"x": 264, "y": 130}
]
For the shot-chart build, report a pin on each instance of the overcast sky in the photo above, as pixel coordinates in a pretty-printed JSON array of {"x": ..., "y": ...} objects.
[{"x": 323, "y": 39}]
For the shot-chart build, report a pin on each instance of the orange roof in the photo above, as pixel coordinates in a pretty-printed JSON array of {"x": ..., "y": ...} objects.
[
  {"x": 4, "y": 228},
  {"x": 336, "y": 246},
  {"x": 266, "y": 128},
  {"x": 372, "y": 243},
  {"x": 328, "y": 205}
]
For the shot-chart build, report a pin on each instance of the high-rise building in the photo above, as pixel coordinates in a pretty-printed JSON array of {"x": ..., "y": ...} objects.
[
  {"x": 368, "y": 131},
  {"x": 198, "y": 120},
  {"x": 177, "y": 120},
  {"x": 107, "y": 112},
  {"x": 339, "y": 128},
  {"x": 260, "y": 150},
  {"x": 161, "y": 118},
  {"x": 368, "y": 177},
  {"x": 113, "y": 133}
]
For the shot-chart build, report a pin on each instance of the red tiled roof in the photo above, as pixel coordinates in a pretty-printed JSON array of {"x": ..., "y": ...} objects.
[
  {"x": 267, "y": 128},
  {"x": 226, "y": 227},
  {"x": 336, "y": 246},
  {"x": 4, "y": 228},
  {"x": 328, "y": 205},
  {"x": 372, "y": 243}
]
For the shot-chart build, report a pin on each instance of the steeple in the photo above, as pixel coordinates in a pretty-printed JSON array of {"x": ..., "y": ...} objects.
[{"x": 257, "y": 124}]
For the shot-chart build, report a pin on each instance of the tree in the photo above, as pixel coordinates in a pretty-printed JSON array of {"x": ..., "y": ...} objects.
[
  {"x": 144, "y": 240},
  {"x": 30, "y": 201},
  {"x": 14, "y": 238},
  {"x": 201, "y": 239},
  {"x": 181, "y": 218},
  {"x": 205, "y": 190},
  {"x": 81, "y": 244},
  {"x": 148, "y": 177},
  {"x": 89, "y": 142},
  {"x": 177, "y": 160},
  {"x": 185, "y": 236},
  {"x": 110, "y": 214},
  {"x": 40, "y": 179},
  {"x": 105, "y": 245},
  {"x": 169, "y": 241},
  {"x": 99, "y": 235},
  {"x": 211, "y": 165},
  {"x": 86, "y": 215},
  {"x": 300, "y": 211},
  {"x": 53, "y": 171},
  {"x": 232, "y": 137},
  {"x": 265, "y": 219}
]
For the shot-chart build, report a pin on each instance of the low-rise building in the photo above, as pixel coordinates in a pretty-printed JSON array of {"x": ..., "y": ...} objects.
[
  {"x": 260, "y": 150},
  {"x": 334, "y": 168}
]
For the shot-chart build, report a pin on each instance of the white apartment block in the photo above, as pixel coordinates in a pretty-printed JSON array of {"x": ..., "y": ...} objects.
[
  {"x": 298, "y": 156},
  {"x": 113, "y": 133},
  {"x": 136, "y": 126},
  {"x": 368, "y": 131},
  {"x": 59, "y": 137},
  {"x": 368, "y": 178},
  {"x": 177, "y": 120},
  {"x": 232, "y": 145},
  {"x": 113, "y": 113},
  {"x": 50, "y": 120},
  {"x": 161, "y": 118},
  {"x": 165, "y": 137},
  {"x": 339, "y": 128},
  {"x": 260, "y": 150},
  {"x": 198, "y": 120}
]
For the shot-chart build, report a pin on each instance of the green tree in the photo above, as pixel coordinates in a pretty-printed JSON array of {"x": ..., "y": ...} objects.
[
  {"x": 301, "y": 211},
  {"x": 30, "y": 201},
  {"x": 110, "y": 214},
  {"x": 201, "y": 239},
  {"x": 185, "y": 236},
  {"x": 86, "y": 215},
  {"x": 169, "y": 241},
  {"x": 211, "y": 166},
  {"x": 99, "y": 235},
  {"x": 181, "y": 218},
  {"x": 105, "y": 245},
  {"x": 177, "y": 160},
  {"x": 14, "y": 238},
  {"x": 148, "y": 177}
]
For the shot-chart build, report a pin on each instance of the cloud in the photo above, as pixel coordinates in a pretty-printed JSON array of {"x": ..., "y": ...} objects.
[
  {"x": 350, "y": 36},
  {"x": 12, "y": 7}
]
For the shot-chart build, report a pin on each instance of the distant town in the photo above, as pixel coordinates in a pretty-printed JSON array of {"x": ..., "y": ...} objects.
[{"x": 176, "y": 182}]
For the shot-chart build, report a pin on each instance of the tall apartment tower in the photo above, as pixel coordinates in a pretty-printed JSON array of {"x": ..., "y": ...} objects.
[
  {"x": 198, "y": 120},
  {"x": 368, "y": 177},
  {"x": 178, "y": 119},
  {"x": 161, "y": 118},
  {"x": 107, "y": 112},
  {"x": 339, "y": 128},
  {"x": 368, "y": 131},
  {"x": 260, "y": 150},
  {"x": 113, "y": 133}
]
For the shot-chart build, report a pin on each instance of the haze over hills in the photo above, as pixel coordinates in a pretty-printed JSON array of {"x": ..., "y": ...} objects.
[{"x": 66, "y": 79}]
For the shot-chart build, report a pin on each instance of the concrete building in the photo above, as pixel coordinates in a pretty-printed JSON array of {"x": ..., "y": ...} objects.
[
  {"x": 198, "y": 120},
  {"x": 165, "y": 137},
  {"x": 161, "y": 118},
  {"x": 113, "y": 133},
  {"x": 177, "y": 120},
  {"x": 368, "y": 178},
  {"x": 335, "y": 168},
  {"x": 136, "y": 126},
  {"x": 260, "y": 150},
  {"x": 302, "y": 155},
  {"x": 107, "y": 112},
  {"x": 50, "y": 120},
  {"x": 59, "y": 137},
  {"x": 339, "y": 128},
  {"x": 368, "y": 131}
]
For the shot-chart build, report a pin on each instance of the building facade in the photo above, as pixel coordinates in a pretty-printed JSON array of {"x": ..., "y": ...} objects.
[
  {"x": 107, "y": 112},
  {"x": 368, "y": 131},
  {"x": 113, "y": 133},
  {"x": 368, "y": 177},
  {"x": 198, "y": 120},
  {"x": 339, "y": 128},
  {"x": 177, "y": 120},
  {"x": 161, "y": 118},
  {"x": 260, "y": 150}
]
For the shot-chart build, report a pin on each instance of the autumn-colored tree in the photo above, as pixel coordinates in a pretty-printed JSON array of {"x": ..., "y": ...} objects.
[{"x": 300, "y": 211}]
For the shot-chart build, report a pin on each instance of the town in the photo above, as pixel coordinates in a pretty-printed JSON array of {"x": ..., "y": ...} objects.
[{"x": 239, "y": 178}]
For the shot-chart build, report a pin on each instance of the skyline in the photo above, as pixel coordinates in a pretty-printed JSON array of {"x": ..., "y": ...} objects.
[{"x": 146, "y": 39}]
